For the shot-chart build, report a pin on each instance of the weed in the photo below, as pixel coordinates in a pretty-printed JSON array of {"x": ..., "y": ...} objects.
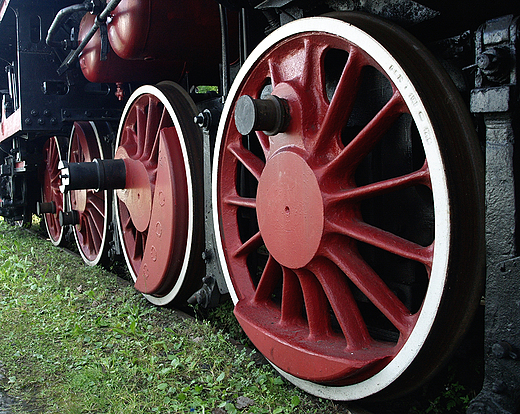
[{"x": 76, "y": 339}]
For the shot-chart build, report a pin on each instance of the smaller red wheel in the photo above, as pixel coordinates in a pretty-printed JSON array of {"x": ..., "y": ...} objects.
[
  {"x": 159, "y": 213},
  {"x": 53, "y": 153},
  {"x": 92, "y": 206}
]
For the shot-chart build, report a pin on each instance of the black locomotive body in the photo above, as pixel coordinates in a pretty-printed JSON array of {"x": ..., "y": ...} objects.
[{"x": 343, "y": 170}]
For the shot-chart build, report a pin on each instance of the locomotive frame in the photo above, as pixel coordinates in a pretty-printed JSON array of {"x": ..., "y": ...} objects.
[{"x": 209, "y": 194}]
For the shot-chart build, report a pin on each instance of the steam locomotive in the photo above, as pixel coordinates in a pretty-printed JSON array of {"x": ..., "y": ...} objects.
[{"x": 343, "y": 170}]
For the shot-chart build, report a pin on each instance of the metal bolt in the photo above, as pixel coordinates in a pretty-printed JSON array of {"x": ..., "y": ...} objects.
[
  {"x": 485, "y": 60},
  {"x": 46, "y": 208},
  {"x": 206, "y": 255},
  {"x": 41, "y": 121},
  {"x": 28, "y": 121},
  {"x": 68, "y": 218},
  {"x": 503, "y": 350},
  {"x": 495, "y": 63},
  {"x": 34, "y": 112},
  {"x": 270, "y": 115},
  {"x": 203, "y": 119}
]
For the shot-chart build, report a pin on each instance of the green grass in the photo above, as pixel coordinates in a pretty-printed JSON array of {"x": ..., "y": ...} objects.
[{"x": 75, "y": 339}]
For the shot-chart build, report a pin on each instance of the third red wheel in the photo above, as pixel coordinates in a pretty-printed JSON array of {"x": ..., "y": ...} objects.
[{"x": 93, "y": 206}]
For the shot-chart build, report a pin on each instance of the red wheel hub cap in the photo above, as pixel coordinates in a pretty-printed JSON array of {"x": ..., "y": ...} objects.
[{"x": 290, "y": 210}]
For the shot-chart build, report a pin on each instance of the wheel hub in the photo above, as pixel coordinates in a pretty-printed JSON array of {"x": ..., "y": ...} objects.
[
  {"x": 79, "y": 200},
  {"x": 290, "y": 210},
  {"x": 137, "y": 195}
]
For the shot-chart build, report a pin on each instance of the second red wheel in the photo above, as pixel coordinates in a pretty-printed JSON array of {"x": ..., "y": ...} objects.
[{"x": 159, "y": 213}]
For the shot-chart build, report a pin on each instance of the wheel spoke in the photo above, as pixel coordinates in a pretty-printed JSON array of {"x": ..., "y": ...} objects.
[
  {"x": 133, "y": 239},
  {"x": 140, "y": 130},
  {"x": 80, "y": 141},
  {"x": 343, "y": 304},
  {"x": 292, "y": 299},
  {"x": 263, "y": 139},
  {"x": 249, "y": 246},
  {"x": 92, "y": 233},
  {"x": 270, "y": 277},
  {"x": 238, "y": 201},
  {"x": 316, "y": 306},
  {"x": 97, "y": 201},
  {"x": 312, "y": 76},
  {"x": 352, "y": 155},
  {"x": 129, "y": 138},
  {"x": 387, "y": 241},
  {"x": 153, "y": 119},
  {"x": 304, "y": 65},
  {"x": 254, "y": 164},
  {"x": 275, "y": 71},
  {"x": 126, "y": 220},
  {"x": 165, "y": 122},
  {"x": 55, "y": 175},
  {"x": 362, "y": 275},
  {"x": 94, "y": 225},
  {"x": 341, "y": 104},
  {"x": 357, "y": 194}
]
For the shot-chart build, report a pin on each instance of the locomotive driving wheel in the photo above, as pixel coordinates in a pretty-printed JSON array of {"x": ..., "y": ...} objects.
[
  {"x": 53, "y": 152},
  {"x": 159, "y": 213},
  {"x": 348, "y": 206},
  {"x": 92, "y": 206}
]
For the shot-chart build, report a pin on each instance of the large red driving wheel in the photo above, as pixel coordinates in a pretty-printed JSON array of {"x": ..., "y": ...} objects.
[
  {"x": 93, "y": 206},
  {"x": 53, "y": 153},
  {"x": 159, "y": 213},
  {"x": 352, "y": 243}
]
